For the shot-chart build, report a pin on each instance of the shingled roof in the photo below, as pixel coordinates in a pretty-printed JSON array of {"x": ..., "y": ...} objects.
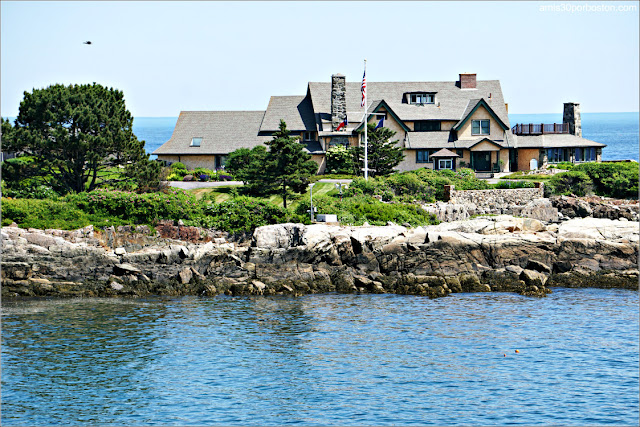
[
  {"x": 451, "y": 101},
  {"x": 554, "y": 141},
  {"x": 296, "y": 111},
  {"x": 221, "y": 131}
]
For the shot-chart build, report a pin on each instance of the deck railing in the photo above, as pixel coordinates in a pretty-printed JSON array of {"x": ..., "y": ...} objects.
[{"x": 539, "y": 128}]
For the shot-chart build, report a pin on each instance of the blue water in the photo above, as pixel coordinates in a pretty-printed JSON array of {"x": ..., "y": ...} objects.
[{"x": 324, "y": 360}]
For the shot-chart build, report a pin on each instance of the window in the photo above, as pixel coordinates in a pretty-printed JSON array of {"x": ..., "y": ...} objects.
[
  {"x": 195, "y": 142},
  {"x": 445, "y": 164},
  {"x": 426, "y": 125},
  {"x": 460, "y": 152},
  {"x": 421, "y": 98},
  {"x": 556, "y": 155},
  {"x": 480, "y": 127},
  {"x": 308, "y": 136},
  {"x": 424, "y": 156},
  {"x": 579, "y": 154}
]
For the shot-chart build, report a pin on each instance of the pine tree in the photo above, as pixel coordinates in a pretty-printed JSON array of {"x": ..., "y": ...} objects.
[
  {"x": 382, "y": 155},
  {"x": 288, "y": 166}
]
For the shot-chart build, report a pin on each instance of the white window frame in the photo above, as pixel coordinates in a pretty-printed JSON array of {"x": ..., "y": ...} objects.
[
  {"x": 193, "y": 141},
  {"x": 422, "y": 98},
  {"x": 480, "y": 126},
  {"x": 441, "y": 161}
]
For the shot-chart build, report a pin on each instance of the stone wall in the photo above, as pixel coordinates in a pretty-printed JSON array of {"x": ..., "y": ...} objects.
[
  {"x": 495, "y": 197},
  {"x": 338, "y": 100}
]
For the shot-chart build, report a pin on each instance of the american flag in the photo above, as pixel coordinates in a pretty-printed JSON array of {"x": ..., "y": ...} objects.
[{"x": 364, "y": 88}]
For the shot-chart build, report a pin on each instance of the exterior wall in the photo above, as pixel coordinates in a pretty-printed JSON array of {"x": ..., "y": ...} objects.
[
  {"x": 321, "y": 160},
  {"x": 524, "y": 157},
  {"x": 390, "y": 123},
  {"x": 409, "y": 163},
  {"x": 504, "y": 156},
  {"x": 192, "y": 161},
  {"x": 485, "y": 146},
  {"x": 466, "y": 158},
  {"x": 495, "y": 131}
]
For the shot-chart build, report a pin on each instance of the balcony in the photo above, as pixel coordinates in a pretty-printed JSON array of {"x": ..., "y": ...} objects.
[{"x": 540, "y": 128}]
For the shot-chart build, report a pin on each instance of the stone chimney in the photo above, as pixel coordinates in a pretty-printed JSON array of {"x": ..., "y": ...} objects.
[
  {"x": 571, "y": 115},
  {"x": 467, "y": 81},
  {"x": 338, "y": 100}
]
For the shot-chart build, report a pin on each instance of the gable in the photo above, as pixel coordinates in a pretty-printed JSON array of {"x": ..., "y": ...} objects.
[
  {"x": 383, "y": 106},
  {"x": 485, "y": 145},
  {"x": 471, "y": 109}
]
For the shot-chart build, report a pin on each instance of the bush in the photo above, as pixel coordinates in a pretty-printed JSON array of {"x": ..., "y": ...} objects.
[
  {"x": 612, "y": 179},
  {"x": 242, "y": 214},
  {"x": 45, "y": 214},
  {"x": 339, "y": 160},
  {"x": 139, "y": 208},
  {"x": 562, "y": 165},
  {"x": 178, "y": 166},
  {"x": 572, "y": 182}
]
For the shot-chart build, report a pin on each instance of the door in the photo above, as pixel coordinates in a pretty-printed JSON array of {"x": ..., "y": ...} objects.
[
  {"x": 513, "y": 160},
  {"x": 481, "y": 160},
  {"x": 533, "y": 164}
]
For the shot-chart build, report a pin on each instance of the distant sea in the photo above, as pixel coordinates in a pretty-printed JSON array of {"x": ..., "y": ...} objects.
[{"x": 618, "y": 130}]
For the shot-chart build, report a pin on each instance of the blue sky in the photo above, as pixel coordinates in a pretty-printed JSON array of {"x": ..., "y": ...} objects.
[{"x": 173, "y": 56}]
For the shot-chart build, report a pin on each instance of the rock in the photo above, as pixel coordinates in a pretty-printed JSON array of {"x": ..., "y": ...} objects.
[
  {"x": 538, "y": 266},
  {"x": 185, "y": 275},
  {"x": 258, "y": 285},
  {"x": 116, "y": 286},
  {"x": 532, "y": 277},
  {"x": 120, "y": 251},
  {"x": 122, "y": 269}
]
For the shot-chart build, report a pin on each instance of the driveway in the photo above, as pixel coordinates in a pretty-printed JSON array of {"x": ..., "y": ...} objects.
[{"x": 191, "y": 185}]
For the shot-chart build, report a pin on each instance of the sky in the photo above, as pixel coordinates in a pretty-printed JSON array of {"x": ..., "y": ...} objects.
[{"x": 173, "y": 56}]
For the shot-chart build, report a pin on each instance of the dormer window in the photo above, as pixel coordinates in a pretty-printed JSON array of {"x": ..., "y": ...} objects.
[
  {"x": 307, "y": 136},
  {"x": 195, "y": 142},
  {"x": 421, "y": 98}
]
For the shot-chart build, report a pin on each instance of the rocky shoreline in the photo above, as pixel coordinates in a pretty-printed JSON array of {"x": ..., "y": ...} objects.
[{"x": 494, "y": 253}]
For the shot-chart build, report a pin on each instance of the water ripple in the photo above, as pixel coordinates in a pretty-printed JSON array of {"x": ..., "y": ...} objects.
[{"x": 323, "y": 360}]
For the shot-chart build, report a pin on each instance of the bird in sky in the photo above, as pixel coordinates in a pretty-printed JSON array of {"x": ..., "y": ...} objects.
[{"x": 87, "y": 42}]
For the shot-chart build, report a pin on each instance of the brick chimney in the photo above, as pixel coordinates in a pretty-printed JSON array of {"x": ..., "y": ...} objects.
[
  {"x": 467, "y": 81},
  {"x": 571, "y": 115},
  {"x": 338, "y": 100}
]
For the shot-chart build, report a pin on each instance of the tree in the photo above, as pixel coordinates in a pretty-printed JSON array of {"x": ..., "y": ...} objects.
[
  {"x": 382, "y": 155},
  {"x": 249, "y": 166},
  {"x": 75, "y": 134},
  {"x": 288, "y": 165}
]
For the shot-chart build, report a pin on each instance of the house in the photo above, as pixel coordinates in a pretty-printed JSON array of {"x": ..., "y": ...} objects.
[{"x": 440, "y": 125}]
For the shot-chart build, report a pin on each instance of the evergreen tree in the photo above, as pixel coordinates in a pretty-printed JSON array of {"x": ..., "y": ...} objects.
[
  {"x": 250, "y": 167},
  {"x": 74, "y": 134},
  {"x": 288, "y": 166},
  {"x": 382, "y": 155}
]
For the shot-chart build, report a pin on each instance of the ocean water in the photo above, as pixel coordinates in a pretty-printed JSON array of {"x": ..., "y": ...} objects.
[
  {"x": 618, "y": 130},
  {"x": 324, "y": 360}
]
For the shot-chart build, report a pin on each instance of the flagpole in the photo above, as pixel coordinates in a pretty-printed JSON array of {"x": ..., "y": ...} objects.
[{"x": 366, "y": 162}]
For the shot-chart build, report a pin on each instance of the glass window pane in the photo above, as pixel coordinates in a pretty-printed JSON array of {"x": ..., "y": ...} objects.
[
  {"x": 475, "y": 127},
  {"x": 485, "y": 127}
]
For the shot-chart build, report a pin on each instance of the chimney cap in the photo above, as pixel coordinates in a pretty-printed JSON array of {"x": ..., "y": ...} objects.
[{"x": 337, "y": 75}]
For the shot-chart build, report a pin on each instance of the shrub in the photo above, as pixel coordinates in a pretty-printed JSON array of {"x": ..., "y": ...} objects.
[
  {"x": 45, "y": 214},
  {"x": 178, "y": 166},
  {"x": 139, "y": 208},
  {"x": 339, "y": 160},
  {"x": 572, "y": 182},
  {"x": 242, "y": 214},
  {"x": 612, "y": 179},
  {"x": 562, "y": 165}
]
